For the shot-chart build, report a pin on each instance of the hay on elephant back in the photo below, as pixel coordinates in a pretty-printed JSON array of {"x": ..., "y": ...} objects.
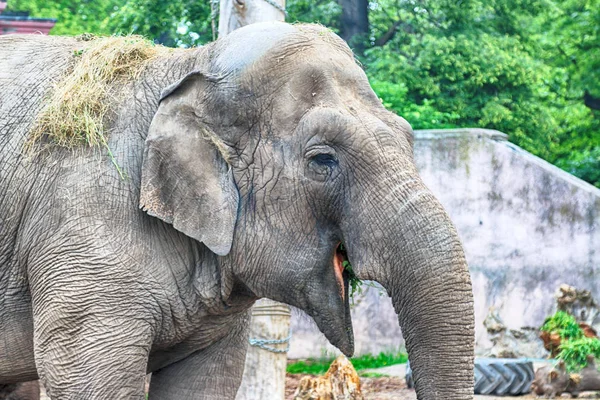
[{"x": 77, "y": 106}]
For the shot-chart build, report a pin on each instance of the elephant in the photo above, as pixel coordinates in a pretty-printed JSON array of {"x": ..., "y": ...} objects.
[{"x": 247, "y": 164}]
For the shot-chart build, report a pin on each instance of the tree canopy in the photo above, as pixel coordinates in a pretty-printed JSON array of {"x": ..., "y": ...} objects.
[{"x": 529, "y": 68}]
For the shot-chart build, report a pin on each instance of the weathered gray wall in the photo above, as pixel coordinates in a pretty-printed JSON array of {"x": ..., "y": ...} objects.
[{"x": 526, "y": 225}]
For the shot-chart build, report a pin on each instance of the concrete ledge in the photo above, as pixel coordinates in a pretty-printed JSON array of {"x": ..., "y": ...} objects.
[
  {"x": 553, "y": 169},
  {"x": 479, "y": 133}
]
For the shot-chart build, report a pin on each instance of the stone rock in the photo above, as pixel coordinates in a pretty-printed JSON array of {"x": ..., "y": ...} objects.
[
  {"x": 578, "y": 303},
  {"x": 550, "y": 381},
  {"x": 553, "y": 381},
  {"x": 512, "y": 343},
  {"x": 341, "y": 382}
]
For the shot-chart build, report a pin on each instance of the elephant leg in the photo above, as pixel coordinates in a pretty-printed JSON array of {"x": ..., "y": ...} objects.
[
  {"x": 92, "y": 332},
  {"x": 104, "y": 361},
  {"x": 214, "y": 373},
  {"x": 94, "y": 361}
]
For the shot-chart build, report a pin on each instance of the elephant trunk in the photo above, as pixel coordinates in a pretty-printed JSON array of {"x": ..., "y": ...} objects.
[{"x": 413, "y": 250}]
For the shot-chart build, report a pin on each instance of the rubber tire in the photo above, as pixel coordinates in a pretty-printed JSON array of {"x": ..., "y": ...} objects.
[
  {"x": 496, "y": 376},
  {"x": 502, "y": 376}
]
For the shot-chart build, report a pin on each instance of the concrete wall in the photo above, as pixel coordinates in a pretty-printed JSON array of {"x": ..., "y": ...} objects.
[{"x": 526, "y": 225}]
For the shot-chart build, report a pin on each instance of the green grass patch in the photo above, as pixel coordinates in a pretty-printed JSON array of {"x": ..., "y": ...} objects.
[
  {"x": 371, "y": 375},
  {"x": 318, "y": 366}
]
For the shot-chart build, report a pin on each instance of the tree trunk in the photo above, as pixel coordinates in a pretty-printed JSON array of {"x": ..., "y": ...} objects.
[
  {"x": 552, "y": 381},
  {"x": 340, "y": 382},
  {"x": 237, "y": 13},
  {"x": 264, "y": 372},
  {"x": 591, "y": 101},
  {"x": 355, "y": 23}
]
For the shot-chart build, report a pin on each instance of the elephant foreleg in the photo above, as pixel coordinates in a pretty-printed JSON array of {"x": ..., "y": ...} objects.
[
  {"x": 95, "y": 364},
  {"x": 214, "y": 373},
  {"x": 92, "y": 335}
]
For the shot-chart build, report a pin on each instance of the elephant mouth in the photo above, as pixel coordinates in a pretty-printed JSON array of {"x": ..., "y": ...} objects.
[
  {"x": 328, "y": 302},
  {"x": 339, "y": 261},
  {"x": 345, "y": 341}
]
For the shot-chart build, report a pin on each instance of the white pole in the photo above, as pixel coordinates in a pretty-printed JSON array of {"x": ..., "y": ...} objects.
[
  {"x": 266, "y": 360},
  {"x": 237, "y": 13}
]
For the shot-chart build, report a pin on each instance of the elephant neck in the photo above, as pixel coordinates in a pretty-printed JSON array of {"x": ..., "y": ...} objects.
[{"x": 215, "y": 290}]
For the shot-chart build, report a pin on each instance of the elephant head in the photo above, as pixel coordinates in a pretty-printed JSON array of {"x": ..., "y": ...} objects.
[{"x": 273, "y": 153}]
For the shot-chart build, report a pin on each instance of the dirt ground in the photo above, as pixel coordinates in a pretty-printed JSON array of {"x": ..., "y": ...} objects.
[
  {"x": 389, "y": 388},
  {"x": 372, "y": 388}
]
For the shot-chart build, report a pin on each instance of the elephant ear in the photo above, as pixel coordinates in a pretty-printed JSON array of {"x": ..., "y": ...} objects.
[{"x": 186, "y": 180}]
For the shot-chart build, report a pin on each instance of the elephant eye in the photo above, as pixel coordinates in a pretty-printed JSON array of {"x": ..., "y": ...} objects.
[
  {"x": 322, "y": 164},
  {"x": 326, "y": 160}
]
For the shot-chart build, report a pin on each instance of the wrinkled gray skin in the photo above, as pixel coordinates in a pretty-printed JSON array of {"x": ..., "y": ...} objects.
[{"x": 266, "y": 150}]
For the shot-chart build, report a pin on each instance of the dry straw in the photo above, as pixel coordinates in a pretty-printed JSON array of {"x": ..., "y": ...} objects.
[{"x": 77, "y": 107}]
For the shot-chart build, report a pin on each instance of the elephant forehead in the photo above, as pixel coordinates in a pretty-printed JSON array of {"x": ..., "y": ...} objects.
[
  {"x": 321, "y": 79},
  {"x": 273, "y": 42},
  {"x": 246, "y": 45}
]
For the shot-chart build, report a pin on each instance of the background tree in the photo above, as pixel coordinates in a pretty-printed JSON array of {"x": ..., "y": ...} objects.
[
  {"x": 172, "y": 23},
  {"x": 234, "y": 14},
  {"x": 566, "y": 37},
  {"x": 75, "y": 17}
]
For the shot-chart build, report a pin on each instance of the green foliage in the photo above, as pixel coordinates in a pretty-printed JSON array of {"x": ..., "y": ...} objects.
[
  {"x": 172, "y": 23},
  {"x": 354, "y": 282},
  {"x": 519, "y": 66},
  {"x": 567, "y": 37},
  {"x": 324, "y": 12},
  {"x": 318, "y": 366},
  {"x": 312, "y": 366},
  {"x": 584, "y": 164},
  {"x": 74, "y": 16},
  {"x": 371, "y": 375},
  {"x": 574, "y": 352},
  {"x": 574, "y": 346},
  {"x": 564, "y": 324},
  {"x": 369, "y": 361}
]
